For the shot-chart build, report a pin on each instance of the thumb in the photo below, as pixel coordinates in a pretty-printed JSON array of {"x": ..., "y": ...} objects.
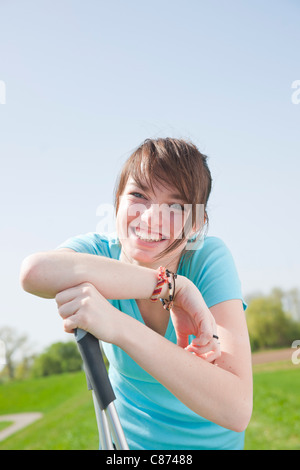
[{"x": 182, "y": 340}]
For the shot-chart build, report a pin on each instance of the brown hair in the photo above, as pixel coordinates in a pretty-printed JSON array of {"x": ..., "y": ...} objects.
[{"x": 171, "y": 162}]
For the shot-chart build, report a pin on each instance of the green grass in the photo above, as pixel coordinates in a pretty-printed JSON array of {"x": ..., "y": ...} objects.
[
  {"x": 68, "y": 413},
  {"x": 69, "y": 419},
  {"x": 275, "y": 422},
  {"x": 5, "y": 424}
]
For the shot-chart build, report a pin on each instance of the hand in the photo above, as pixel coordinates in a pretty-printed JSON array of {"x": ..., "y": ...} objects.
[
  {"x": 191, "y": 316},
  {"x": 84, "y": 307}
]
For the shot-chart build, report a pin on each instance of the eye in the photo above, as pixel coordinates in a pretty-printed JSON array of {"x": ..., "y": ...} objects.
[
  {"x": 177, "y": 207},
  {"x": 138, "y": 195}
]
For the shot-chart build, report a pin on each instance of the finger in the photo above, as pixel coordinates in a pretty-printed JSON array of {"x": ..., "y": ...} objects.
[
  {"x": 212, "y": 355},
  {"x": 182, "y": 340},
  {"x": 199, "y": 342},
  {"x": 210, "y": 339},
  {"x": 66, "y": 295},
  {"x": 208, "y": 357},
  {"x": 69, "y": 294},
  {"x": 204, "y": 338},
  {"x": 199, "y": 349},
  {"x": 206, "y": 334},
  {"x": 213, "y": 347},
  {"x": 70, "y": 324},
  {"x": 69, "y": 308}
]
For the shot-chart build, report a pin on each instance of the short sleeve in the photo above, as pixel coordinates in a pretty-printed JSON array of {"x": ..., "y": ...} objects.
[
  {"x": 213, "y": 271},
  {"x": 92, "y": 243}
]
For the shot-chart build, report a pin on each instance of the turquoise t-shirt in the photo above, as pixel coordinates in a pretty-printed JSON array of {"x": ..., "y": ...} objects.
[{"x": 151, "y": 416}]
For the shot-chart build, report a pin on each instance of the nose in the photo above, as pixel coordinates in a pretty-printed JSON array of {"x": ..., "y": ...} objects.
[{"x": 152, "y": 215}]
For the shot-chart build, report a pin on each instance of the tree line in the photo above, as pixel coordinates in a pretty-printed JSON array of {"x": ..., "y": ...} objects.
[{"x": 273, "y": 322}]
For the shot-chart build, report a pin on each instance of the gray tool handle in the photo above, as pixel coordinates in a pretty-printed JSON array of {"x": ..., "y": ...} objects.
[{"x": 94, "y": 367}]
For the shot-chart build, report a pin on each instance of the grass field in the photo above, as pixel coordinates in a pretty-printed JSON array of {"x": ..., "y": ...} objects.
[
  {"x": 275, "y": 423},
  {"x": 69, "y": 419}
]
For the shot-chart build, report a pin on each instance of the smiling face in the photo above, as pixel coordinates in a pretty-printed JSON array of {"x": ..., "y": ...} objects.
[
  {"x": 159, "y": 178},
  {"x": 149, "y": 221}
]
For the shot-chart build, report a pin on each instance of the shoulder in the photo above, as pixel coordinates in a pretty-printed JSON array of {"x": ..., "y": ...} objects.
[
  {"x": 212, "y": 269},
  {"x": 211, "y": 244},
  {"x": 215, "y": 249},
  {"x": 94, "y": 243},
  {"x": 212, "y": 249}
]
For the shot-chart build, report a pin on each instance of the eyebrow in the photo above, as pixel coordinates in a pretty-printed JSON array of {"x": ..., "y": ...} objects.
[{"x": 173, "y": 196}]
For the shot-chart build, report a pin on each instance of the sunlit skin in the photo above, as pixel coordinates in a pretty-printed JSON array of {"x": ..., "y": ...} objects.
[
  {"x": 215, "y": 385},
  {"x": 158, "y": 215}
]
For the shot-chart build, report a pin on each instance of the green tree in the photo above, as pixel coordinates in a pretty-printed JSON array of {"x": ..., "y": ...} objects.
[
  {"x": 17, "y": 348},
  {"x": 57, "y": 359},
  {"x": 269, "y": 325}
]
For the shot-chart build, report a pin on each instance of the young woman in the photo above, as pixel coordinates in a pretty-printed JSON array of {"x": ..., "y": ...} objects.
[{"x": 180, "y": 367}]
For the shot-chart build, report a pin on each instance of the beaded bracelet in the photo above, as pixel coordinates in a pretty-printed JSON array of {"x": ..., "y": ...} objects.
[
  {"x": 163, "y": 278},
  {"x": 168, "y": 304}
]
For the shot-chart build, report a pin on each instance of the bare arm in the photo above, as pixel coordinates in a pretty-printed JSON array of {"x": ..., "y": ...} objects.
[
  {"x": 51, "y": 273},
  {"x": 47, "y": 273},
  {"x": 220, "y": 392}
]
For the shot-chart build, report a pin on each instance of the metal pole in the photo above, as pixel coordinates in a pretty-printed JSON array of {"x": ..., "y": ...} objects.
[
  {"x": 103, "y": 427},
  {"x": 116, "y": 428},
  {"x": 108, "y": 422}
]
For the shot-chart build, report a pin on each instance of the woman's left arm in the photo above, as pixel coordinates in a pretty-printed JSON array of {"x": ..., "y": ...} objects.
[{"x": 220, "y": 392}]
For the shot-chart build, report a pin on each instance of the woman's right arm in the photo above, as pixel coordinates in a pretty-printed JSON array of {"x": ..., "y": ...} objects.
[{"x": 46, "y": 274}]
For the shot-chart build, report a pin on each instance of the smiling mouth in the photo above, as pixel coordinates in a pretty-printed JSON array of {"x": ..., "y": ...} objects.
[{"x": 155, "y": 238}]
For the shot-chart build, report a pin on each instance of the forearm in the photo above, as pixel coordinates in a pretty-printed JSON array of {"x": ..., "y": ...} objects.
[
  {"x": 208, "y": 390},
  {"x": 46, "y": 274}
]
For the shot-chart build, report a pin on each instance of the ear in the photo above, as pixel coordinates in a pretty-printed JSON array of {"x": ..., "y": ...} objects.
[
  {"x": 199, "y": 224},
  {"x": 198, "y": 228}
]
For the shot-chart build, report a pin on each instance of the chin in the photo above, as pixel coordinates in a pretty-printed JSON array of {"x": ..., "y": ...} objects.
[{"x": 139, "y": 255}]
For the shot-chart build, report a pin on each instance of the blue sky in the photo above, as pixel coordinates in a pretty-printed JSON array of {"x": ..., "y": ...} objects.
[{"x": 87, "y": 81}]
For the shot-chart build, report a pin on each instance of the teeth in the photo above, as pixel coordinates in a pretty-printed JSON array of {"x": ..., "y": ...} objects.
[{"x": 148, "y": 239}]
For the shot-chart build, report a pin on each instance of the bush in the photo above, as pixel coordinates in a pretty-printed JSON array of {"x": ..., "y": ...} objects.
[
  {"x": 57, "y": 359},
  {"x": 269, "y": 325}
]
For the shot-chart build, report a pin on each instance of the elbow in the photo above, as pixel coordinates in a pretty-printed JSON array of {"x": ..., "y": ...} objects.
[
  {"x": 27, "y": 272},
  {"x": 31, "y": 273},
  {"x": 234, "y": 416},
  {"x": 241, "y": 417}
]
